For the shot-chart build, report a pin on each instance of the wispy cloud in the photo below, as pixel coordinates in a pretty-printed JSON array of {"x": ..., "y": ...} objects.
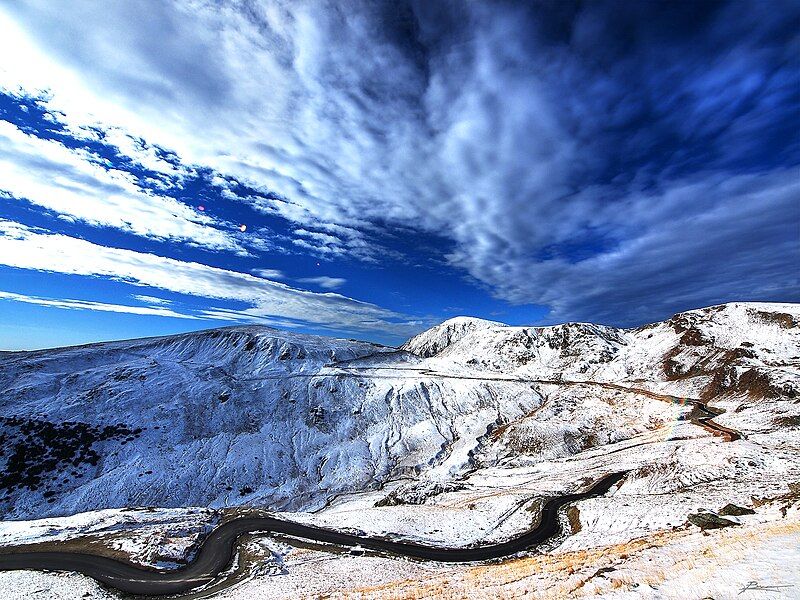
[
  {"x": 150, "y": 299},
  {"x": 74, "y": 183},
  {"x": 667, "y": 251},
  {"x": 518, "y": 132},
  {"x": 66, "y": 303},
  {"x": 269, "y": 273},
  {"x": 325, "y": 282},
  {"x": 26, "y": 248}
]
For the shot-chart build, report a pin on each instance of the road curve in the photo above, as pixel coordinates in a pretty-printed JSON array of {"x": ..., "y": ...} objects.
[
  {"x": 218, "y": 550},
  {"x": 703, "y": 415}
]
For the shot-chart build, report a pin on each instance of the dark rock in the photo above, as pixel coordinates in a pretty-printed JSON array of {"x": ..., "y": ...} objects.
[
  {"x": 417, "y": 493},
  {"x": 37, "y": 449},
  {"x": 731, "y": 510},
  {"x": 708, "y": 520}
]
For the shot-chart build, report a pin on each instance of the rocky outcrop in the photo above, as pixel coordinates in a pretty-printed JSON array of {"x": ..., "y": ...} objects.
[{"x": 709, "y": 520}]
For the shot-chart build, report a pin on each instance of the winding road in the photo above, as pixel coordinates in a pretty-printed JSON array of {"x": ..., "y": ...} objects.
[{"x": 217, "y": 552}]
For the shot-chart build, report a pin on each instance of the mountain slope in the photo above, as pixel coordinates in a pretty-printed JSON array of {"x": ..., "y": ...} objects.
[
  {"x": 440, "y": 337},
  {"x": 222, "y": 417},
  {"x": 259, "y": 416}
]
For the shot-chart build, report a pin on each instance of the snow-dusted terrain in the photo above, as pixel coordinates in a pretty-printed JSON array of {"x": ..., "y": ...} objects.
[{"x": 454, "y": 438}]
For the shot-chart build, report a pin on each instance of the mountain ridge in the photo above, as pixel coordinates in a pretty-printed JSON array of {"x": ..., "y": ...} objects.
[{"x": 256, "y": 415}]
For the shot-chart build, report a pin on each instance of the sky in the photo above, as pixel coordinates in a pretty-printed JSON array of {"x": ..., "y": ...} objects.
[{"x": 369, "y": 169}]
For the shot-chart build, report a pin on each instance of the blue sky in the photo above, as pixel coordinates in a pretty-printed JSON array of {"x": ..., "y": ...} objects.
[{"x": 368, "y": 169}]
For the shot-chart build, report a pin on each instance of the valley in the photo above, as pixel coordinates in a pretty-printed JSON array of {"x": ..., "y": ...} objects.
[{"x": 332, "y": 458}]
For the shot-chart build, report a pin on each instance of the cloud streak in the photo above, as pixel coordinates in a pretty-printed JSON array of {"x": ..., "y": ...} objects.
[
  {"x": 325, "y": 282},
  {"x": 74, "y": 183},
  {"x": 25, "y": 248},
  {"x": 668, "y": 250},
  {"x": 269, "y": 273},
  {"x": 66, "y": 303},
  {"x": 150, "y": 299}
]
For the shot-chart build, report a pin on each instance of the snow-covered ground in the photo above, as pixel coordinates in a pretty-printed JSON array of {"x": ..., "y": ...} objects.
[
  {"x": 454, "y": 439},
  {"x": 157, "y": 537}
]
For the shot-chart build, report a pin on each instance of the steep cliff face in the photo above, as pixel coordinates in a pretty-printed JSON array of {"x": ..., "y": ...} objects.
[{"x": 253, "y": 415}]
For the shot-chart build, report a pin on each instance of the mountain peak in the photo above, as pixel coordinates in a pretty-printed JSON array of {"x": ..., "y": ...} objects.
[
  {"x": 476, "y": 322},
  {"x": 432, "y": 341}
]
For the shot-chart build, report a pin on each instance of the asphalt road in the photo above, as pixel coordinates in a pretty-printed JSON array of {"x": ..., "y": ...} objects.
[{"x": 218, "y": 550}]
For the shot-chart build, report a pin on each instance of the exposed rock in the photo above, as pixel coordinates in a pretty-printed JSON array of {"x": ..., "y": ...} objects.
[
  {"x": 418, "y": 493},
  {"x": 788, "y": 421},
  {"x": 732, "y": 510},
  {"x": 785, "y": 320},
  {"x": 755, "y": 382},
  {"x": 574, "y": 518},
  {"x": 708, "y": 520}
]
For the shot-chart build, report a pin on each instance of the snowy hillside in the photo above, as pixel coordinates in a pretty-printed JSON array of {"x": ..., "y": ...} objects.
[
  {"x": 437, "y": 339},
  {"x": 453, "y": 439},
  {"x": 223, "y": 417},
  {"x": 732, "y": 345},
  {"x": 253, "y": 415}
]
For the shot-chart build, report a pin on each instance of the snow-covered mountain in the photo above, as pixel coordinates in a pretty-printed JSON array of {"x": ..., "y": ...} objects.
[
  {"x": 230, "y": 416},
  {"x": 254, "y": 415},
  {"x": 439, "y": 338},
  {"x": 714, "y": 350}
]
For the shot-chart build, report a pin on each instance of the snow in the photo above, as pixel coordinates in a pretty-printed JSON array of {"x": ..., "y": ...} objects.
[
  {"x": 442, "y": 336},
  {"x": 25, "y": 585},
  {"x": 473, "y": 421},
  {"x": 157, "y": 537}
]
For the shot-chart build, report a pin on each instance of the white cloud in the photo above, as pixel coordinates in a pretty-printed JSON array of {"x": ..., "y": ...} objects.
[
  {"x": 668, "y": 251},
  {"x": 290, "y": 130},
  {"x": 325, "y": 282},
  {"x": 26, "y": 248},
  {"x": 145, "y": 155},
  {"x": 71, "y": 183},
  {"x": 254, "y": 315},
  {"x": 150, "y": 299},
  {"x": 269, "y": 273},
  {"x": 156, "y": 311},
  {"x": 354, "y": 129},
  {"x": 469, "y": 123}
]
